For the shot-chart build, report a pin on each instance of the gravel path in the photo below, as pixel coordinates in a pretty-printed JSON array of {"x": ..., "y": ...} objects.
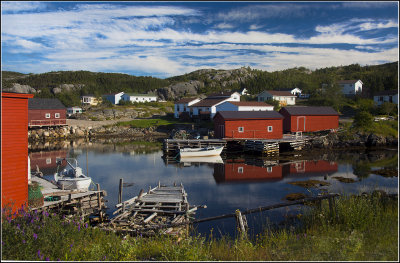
[{"x": 93, "y": 124}]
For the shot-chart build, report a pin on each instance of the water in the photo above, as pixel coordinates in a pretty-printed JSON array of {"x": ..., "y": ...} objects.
[{"x": 240, "y": 182}]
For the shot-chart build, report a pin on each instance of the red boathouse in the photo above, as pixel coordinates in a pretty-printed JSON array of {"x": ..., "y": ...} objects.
[
  {"x": 248, "y": 125},
  {"x": 46, "y": 112},
  {"x": 14, "y": 149},
  {"x": 309, "y": 119}
]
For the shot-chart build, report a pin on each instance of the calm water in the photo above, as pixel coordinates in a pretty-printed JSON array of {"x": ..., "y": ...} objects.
[{"x": 240, "y": 182}]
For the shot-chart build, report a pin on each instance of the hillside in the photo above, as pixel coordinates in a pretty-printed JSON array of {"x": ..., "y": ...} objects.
[{"x": 69, "y": 85}]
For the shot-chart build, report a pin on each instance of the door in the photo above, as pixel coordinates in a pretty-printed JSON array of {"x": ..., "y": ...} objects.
[{"x": 301, "y": 123}]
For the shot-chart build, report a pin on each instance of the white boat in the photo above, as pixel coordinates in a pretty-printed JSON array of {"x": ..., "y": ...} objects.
[
  {"x": 199, "y": 152},
  {"x": 72, "y": 178},
  {"x": 201, "y": 159}
]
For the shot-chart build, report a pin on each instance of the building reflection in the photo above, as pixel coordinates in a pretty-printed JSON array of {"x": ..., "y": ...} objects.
[
  {"x": 253, "y": 170},
  {"x": 46, "y": 160}
]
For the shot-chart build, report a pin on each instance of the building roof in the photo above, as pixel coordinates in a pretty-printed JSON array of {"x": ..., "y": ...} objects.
[
  {"x": 250, "y": 103},
  {"x": 185, "y": 100},
  {"x": 235, "y": 115},
  {"x": 140, "y": 95},
  {"x": 350, "y": 81},
  {"x": 40, "y": 104},
  {"x": 310, "y": 110},
  {"x": 280, "y": 93},
  {"x": 208, "y": 102},
  {"x": 386, "y": 92}
]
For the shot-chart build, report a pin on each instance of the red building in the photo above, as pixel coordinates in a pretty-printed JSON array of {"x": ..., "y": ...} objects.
[
  {"x": 309, "y": 119},
  {"x": 46, "y": 112},
  {"x": 248, "y": 125},
  {"x": 14, "y": 149}
]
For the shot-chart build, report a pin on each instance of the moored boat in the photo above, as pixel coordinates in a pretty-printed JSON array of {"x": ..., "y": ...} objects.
[
  {"x": 72, "y": 178},
  {"x": 201, "y": 152}
]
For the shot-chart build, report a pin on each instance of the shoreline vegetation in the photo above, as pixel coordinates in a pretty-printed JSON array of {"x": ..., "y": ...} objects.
[{"x": 363, "y": 227}]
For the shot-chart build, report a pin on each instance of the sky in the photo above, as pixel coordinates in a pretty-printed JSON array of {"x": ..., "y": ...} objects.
[{"x": 167, "y": 38}]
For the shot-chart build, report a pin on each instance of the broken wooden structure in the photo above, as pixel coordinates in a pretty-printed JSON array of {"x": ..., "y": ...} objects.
[{"x": 159, "y": 205}]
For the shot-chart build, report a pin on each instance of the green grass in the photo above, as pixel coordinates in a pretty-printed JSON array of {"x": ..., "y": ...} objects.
[{"x": 363, "y": 228}]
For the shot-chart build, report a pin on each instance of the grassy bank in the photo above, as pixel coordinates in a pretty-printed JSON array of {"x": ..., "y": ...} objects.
[{"x": 364, "y": 228}]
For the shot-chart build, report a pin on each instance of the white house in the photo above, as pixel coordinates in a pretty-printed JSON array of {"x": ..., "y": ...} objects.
[
  {"x": 73, "y": 110},
  {"x": 386, "y": 96},
  {"x": 206, "y": 108},
  {"x": 89, "y": 100},
  {"x": 284, "y": 97},
  {"x": 350, "y": 87},
  {"x": 138, "y": 97},
  {"x": 182, "y": 105},
  {"x": 114, "y": 98},
  {"x": 244, "y": 106}
]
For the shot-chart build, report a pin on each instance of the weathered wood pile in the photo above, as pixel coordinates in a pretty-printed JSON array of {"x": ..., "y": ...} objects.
[{"x": 143, "y": 214}]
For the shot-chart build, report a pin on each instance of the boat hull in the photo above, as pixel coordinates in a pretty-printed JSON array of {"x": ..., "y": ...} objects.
[{"x": 200, "y": 152}]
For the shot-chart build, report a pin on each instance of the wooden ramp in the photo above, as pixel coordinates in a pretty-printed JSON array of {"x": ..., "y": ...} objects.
[{"x": 143, "y": 213}]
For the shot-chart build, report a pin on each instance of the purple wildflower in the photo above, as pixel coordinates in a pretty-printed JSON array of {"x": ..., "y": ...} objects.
[{"x": 35, "y": 237}]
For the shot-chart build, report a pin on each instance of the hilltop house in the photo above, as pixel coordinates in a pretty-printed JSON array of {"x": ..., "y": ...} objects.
[
  {"x": 46, "y": 112},
  {"x": 284, "y": 97},
  {"x": 386, "y": 96},
  {"x": 114, "y": 98},
  {"x": 181, "y": 107},
  {"x": 351, "y": 87},
  {"x": 206, "y": 108},
  {"x": 133, "y": 97}
]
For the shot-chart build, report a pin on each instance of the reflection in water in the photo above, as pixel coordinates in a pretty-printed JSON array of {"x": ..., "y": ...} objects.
[{"x": 243, "y": 183}]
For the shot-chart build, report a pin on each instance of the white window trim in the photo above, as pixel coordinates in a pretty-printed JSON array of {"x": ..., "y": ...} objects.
[
  {"x": 47, "y": 115},
  {"x": 240, "y": 129},
  {"x": 268, "y": 129},
  {"x": 57, "y": 115}
]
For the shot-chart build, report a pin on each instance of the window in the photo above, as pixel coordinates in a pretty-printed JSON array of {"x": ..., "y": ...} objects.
[
  {"x": 47, "y": 115},
  {"x": 269, "y": 128},
  {"x": 240, "y": 129},
  {"x": 240, "y": 170},
  {"x": 57, "y": 115}
]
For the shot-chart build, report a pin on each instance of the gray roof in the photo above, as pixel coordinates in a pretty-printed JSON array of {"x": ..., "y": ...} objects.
[
  {"x": 310, "y": 110},
  {"x": 233, "y": 115},
  {"x": 41, "y": 104}
]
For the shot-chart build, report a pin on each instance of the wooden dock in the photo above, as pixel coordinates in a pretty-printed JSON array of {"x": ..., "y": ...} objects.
[
  {"x": 71, "y": 202},
  {"x": 159, "y": 205}
]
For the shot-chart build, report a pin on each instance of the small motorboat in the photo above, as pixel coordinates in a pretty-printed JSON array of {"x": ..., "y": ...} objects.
[
  {"x": 201, "y": 152},
  {"x": 72, "y": 178}
]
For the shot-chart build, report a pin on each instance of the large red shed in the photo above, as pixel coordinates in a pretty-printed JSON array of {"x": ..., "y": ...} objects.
[
  {"x": 14, "y": 149},
  {"x": 248, "y": 125},
  {"x": 46, "y": 112},
  {"x": 309, "y": 118}
]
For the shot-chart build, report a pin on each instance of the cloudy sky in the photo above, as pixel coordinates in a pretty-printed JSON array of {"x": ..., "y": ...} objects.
[{"x": 163, "y": 39}]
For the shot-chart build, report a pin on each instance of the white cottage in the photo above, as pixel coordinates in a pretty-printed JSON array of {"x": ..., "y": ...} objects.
[
  {"x": 386, "y": 96},
  {"x": 138, "y": 97},
  {"x": 351, "y": 87},
  {"x": 182, "y": 105},
  {"x": 244, "y": 106},
  {"x": 284, "y": 97}
]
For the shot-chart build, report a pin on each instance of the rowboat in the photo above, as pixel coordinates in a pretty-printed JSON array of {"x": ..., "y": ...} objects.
[
  {"x": 72, "y": 178},
  {"x": 201, "y": 152}
]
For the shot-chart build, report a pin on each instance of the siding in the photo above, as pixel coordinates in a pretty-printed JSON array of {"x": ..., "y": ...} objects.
[{"x": 14, "y": 149}]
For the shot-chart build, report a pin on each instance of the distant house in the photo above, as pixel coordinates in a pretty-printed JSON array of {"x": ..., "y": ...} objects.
[
  {"x": 309, "y": 119},
  {"x": 73, "y": 110},
  {"x": 14, "y": 149},
  {"x": 244, "y": 106},
  {"x": 207, "y": 108},
  {"x": 133, "y": 97},
  {"x": 46, "y": 112},
  {"x": 114, "y": 98},
  {"x": 386, "y": 96},
  {"x": 284, "y": 97},
  {"x": 182, "y": 106},
  {"x": 89, "y": 99},
  {"x": 248, "y": 125},
  {"x": 351, "y": 87}
]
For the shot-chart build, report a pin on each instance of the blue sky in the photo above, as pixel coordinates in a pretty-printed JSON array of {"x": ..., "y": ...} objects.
[{"x": 164, "y": 39}]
